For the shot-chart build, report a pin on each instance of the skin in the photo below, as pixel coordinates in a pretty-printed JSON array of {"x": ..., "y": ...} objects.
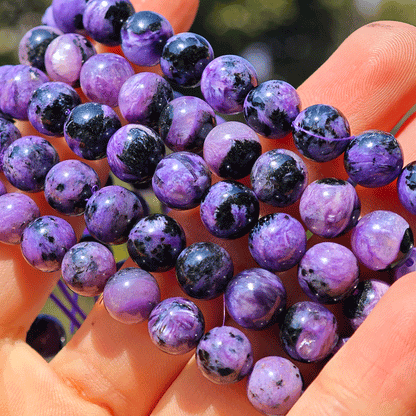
[{"x": 113, "y": 369}]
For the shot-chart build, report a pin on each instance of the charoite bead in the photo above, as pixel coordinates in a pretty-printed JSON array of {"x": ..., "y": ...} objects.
[
  {"x": 408, "y": 266},
  {"x": 8, "y": 134},
  {"x": 67, "y": 15},
  {"x": 48, "y": 19},
  {"x": 3, "y": 189},
  {"x": 406, "y": 187}
]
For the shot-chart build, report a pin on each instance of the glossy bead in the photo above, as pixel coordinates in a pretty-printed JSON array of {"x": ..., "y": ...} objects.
[
  {"x": 224, "y": 355},
  {"x": 48, "y": 19},
  {"x": 408, "y": 266},
  {"x": 8, "y": 134},
  {"x": 321, "y": 132},
  {"x": 45, "y": 242},
  {"x": 381, "y": 240},
  {"x": 255, "y": 298},
  {"x": 277, "y": 242},
  {"x": 329, "y": 207},
  {"x": 176, "y": 325},
  {"x": 155, "y": 242},
  {"x": 279, "y": 177},
  {"x": 406, "y": 187},
  {"x": 229, "y": 209},
  {"x": 67, "y": 15},
  {"x": 373, "y": 159}
]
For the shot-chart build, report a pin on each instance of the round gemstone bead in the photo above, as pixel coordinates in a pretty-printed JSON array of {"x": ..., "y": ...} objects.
[
  {"x": 271, "y": 108},
  {"x": 274, "y": 385},
  {"x": 48, "y": 19},
  {"x": 184, "y": 58},
  {"x": 49, "y": 107},
  {"x": 255, "y": 298},
  {"x": 229, "y": 209},
  {"x": 406, "y": 187},
  {"x": 155, "y": 242},
  {"x": 408, "y": 266},
  {"x": 143, "y": 36},
  {"x": 111, "y": 213},
  {"x": 226, "y": 81},
  {"x": 8, "y": 134},
  {"x": 203, "y": 270},
  {"x": 329, "y": 207},
  {"x": 176, "y": 325},
  {"x": 45, "y": 242},
  {"x": 230, "y": 149},
  {"x": 328, "y": 272},
  {"x": 309, "y": 332},
  {"x": 181, "y": 179},
  {"x": 279, "y": 177},
  {"x": 27, "y": 161},
  {"x": 321, "y": 132},
  {"x": 102, "y": 77},
  {"x": 373, "y": 159},
  {"x": 224, "y": 355},
  {"x": 277, "y": 242},
  {"x": 17, "y": 211},
  {"x": 69, "y": 185},
  {"x": 381, "y": 240},
  {"x": 67, "y": 15},
  {"x": 88, "y": 129}
]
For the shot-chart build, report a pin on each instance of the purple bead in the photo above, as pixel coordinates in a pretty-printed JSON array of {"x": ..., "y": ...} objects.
[
  {"x": 373, "y": 159},
  {"x": 86, "y": 267},
  {"x": 65, "y": 56},
  {"x": 69, "y": 185},
  {"x": 279, "y": 177},
  {"x": 277, "y": 242},
  {"x": 130, "y": 295},
  {"x": 3, "y": 189},
  {"x": 230, "y": 149},
  {"x": 155, "y": 242},
  {"x": 381, "y": 240},
  {"x": 17, "y": 211},
  {"x": 185, "y": 122},
  {"x": 8, "y": 134},
  {"x": 271, "y": 108},
  {"x": 255, "y": 298},
  {"x": 143, "y": 97},
  {"x": 48, "y": 19},
  {"x": 49, "y": 107},
  {"x": 143, "y": 36},
  {"x": 329, "y": 207},
  {"x": 328, "y": 272},
  {"x": 341, "y": 342},
  {"x": 181, "y": 179},
  {"x": 184, "y": 57},
  {"x": 103, "y": 19},
  {"x": 363, "y": 300},
  {"x": 27, "y": 161},
  {"x": 408, "y": 266},
  {"x": 226, "y": 81},
  {"x": 229, "y": 209},
  {"x": 176, "y": 325},
  {"x": 133, "y": 153},
  {"x": 321, "y": 132},
  {"x": 406, "y": 187},
  {"x": 45, "y": 242},
  {"x": 274, "y": 385},
  {"x": 309, "y": 332},
  {"x": 68, "y": 15},
  {"x": 203, "y": 270},
  {"x": 103, "y": 75},
  {"x": 224, "y": 355}
]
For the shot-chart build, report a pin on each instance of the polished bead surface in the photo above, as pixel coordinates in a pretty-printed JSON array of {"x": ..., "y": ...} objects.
[
  {"x": 8, "y": 134},
  {"x": 48, "y": 19},
  {"x": 3, "y": 189},
  {"x": 408, "y": 266},
  {"x": 406, "y": 187},
  {"x": 67, "y": 15}
]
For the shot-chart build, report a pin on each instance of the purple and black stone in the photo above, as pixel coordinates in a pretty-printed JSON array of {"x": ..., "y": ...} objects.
[
  {"x": 224, "y": 355},
  {"x": 373, "y": 159},
  {"x": 255, "y": 298},
  {"x": 103, "y": 19},
  {"x": 279, "y": 177},
  {"x": 50, "y": 106},
  {"x": 133, "y": 153},
  {"x": 277, "y": 242},
  {"x": 229, "y": 209},
  {"x": 176, "y": 325},
  {"x": 184, "y": 58},
  {"x": 226, "y": 81},
  {"x": 8, "y": 134},
  {"x": 409, "y": 266},
  {"x": 203, "y": 270},
  {"x": 185, "y": 122},
  {"x": 69, "y": 185},
  {"x": 155, "y": 242},
  {"x": 321, "y": 132},
  {"x": 406, "y": 187},
  {"x": 309, "y": 332},
  {"x": 271, "y": 108},
  {"x": 88, "y": 129},
  {"x": 27, "y": 161},
  {"x": 143, "y": 36},
  {"x": 329, "y": 207},
  {"x": 67, "y": 15}
]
